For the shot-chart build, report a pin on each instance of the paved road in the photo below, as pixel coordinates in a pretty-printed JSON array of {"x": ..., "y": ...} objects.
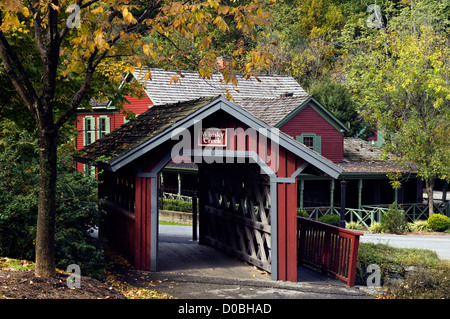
[{"x": 438, "y": 243}]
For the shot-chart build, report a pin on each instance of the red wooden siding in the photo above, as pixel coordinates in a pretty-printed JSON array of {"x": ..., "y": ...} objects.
[
  {"x": 287, "y": 214},
  {"x": 309, "y": 121},
  {"x": 137, "y": 105},
  {"x": 142, "y": 223}
]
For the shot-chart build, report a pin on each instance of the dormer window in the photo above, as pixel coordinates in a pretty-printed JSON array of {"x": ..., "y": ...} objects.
[{"x": 311, "y": 140}]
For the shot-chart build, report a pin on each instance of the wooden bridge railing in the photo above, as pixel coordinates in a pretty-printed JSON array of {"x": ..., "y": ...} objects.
[{"x": 331, "y": 249}]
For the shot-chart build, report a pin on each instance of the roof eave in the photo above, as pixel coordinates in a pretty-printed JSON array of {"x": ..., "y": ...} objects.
[{"x": 327, "y": 115}]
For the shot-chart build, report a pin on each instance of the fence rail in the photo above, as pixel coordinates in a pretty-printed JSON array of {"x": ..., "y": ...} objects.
[
  {"x": 366, "y": 215},
  {"x": 331, "y": 249}
]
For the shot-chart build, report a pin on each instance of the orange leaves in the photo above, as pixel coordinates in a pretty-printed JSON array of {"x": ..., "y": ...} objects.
[
  {"x": 221, "y": 24},
  {"x": 206, "y": 41},
  {"x": 174, "y": 79}
]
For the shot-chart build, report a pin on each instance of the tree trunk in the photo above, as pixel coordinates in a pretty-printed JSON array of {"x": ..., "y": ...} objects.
[
  {"x": 429, "y": 185},
  {"x": 45, "y": 235}
]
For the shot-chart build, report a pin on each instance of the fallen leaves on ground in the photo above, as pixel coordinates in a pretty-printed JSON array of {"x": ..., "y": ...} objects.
[{"x": 18, "y": 281}]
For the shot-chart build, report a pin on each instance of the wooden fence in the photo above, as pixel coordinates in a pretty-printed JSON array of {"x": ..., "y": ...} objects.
[{"x": 331, "y": 249}]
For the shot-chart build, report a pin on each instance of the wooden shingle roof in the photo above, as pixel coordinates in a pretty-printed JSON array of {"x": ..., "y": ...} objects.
[
  {"x": 191, "y": 86},
  {"x": 362, "y": 157},
  {"x": 277, "y": 111},
  {"x": 272, "y": 110}
]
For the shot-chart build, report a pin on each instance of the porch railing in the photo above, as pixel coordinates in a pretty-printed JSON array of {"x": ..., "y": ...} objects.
[
  {"x": 368, "y": 214},
  {"x": 331, "y": 249}
]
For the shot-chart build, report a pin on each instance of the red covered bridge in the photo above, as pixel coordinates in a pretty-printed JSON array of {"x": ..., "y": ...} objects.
[{"x": 247, "y": 178}]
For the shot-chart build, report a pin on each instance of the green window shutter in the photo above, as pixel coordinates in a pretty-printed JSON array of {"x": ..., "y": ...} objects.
[{"x": 318, "y": 144}]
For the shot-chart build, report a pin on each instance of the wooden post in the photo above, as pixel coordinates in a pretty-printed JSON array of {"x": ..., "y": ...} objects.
[
  {"x": 353, "y": 261},
  {"x": 302, "y": 188},
  {"x": 360, "y": 186},
  {"x": 331, "y": 196},
  {"x": 194, "y": 217},
  {"x": 343, "y": 190}
]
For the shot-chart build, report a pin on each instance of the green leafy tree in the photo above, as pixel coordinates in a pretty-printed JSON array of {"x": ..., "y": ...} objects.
[
  {"x": 401, "y": 81},
  {"x": 337, "y": 98},
  {"x": 302, "y": 38}
]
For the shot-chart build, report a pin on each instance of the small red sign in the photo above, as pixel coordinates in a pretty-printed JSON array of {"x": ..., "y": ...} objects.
[{"x": 213, "y": 137}]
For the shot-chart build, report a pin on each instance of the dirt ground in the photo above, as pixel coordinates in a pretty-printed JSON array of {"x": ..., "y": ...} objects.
[{"x": 19, "y": 284}]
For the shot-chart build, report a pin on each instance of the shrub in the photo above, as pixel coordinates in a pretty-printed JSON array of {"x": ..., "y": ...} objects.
[
  {"x": 376, "y": 228},
  {"x": 176, "y": 205},
  {"x": 77, "y": 205},
  {"x": 330, "y": 219},
  {"x": 394, "y": 220},
  {"x": 354, "y": 226},
  {"x": 393, "y": 262},
  {"x": 302, "y": 213},
  {"x": 419, "y": 226},
  {"x": 438, "y": 222}
]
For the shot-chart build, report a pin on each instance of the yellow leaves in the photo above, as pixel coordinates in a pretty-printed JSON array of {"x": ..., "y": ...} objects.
[
  {"x": 25, "y": 12},
  {"x": 98, "y": 10},
  {"x": 54, "y": 7},
  {"x": 223, "y": 10},
  {"x": 128, "y": 16},
  {"x": 221, "y": 24},
  {"x": 213, "y": 4},
  {"x": 146, "y": 49}
]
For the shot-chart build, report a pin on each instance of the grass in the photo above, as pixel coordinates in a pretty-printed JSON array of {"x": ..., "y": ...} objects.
[
  {"x": 163, "y": 222},
  {"x": 15, "y": 264},
  {"x": 406, "y": 272}
]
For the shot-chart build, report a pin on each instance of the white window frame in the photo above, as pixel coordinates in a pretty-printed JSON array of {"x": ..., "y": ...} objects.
[
  {"x": 88, "y": 133},
  {"x": 101, "y": 133}
]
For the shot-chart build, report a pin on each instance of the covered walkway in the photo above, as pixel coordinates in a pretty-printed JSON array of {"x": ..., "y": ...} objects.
[{"x": 180, "y": 255}]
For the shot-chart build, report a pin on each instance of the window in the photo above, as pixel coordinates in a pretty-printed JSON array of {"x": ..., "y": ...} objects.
[
  {"x": 311, "y": 140},
  {"x": 102, "y": 126},
  {"x": 88, "y": 130},
  {"x": 95, "y": 128},
  {"x": 89, "y": 170}
]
